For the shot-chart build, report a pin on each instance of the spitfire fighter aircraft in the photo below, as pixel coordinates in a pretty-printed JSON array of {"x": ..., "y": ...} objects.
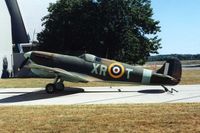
[{"x": 88, "y": 68}]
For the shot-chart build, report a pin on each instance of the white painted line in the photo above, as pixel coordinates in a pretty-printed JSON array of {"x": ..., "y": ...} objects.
[{"x": 100, "y": 95}]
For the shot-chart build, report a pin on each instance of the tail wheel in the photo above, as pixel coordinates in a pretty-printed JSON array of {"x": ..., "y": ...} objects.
[
  {"x": 50, "y": 88},
  {"x": 59, "y": 86}
]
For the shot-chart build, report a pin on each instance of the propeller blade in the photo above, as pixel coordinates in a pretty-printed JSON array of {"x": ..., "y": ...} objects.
[{"x": 23, "y": 63}]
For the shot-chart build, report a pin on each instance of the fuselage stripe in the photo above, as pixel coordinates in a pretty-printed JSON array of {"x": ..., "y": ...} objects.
[
  {"x": 146, "y": 77},
  {"x": 166, "y": 69}
]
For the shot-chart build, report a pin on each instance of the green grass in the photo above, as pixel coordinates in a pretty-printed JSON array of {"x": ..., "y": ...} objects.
[
  {"x": 188, "y": 77},
  {"x": 41, "y": 82},
  {"x": 101, "y": 118}
]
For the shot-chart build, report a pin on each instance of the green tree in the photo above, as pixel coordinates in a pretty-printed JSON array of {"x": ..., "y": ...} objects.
[{"x": 123, "y": 30}]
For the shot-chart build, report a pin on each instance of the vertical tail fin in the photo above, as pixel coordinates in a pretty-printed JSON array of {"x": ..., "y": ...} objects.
[
  {"x": 173, "y": 68},
  {"x": 19, "y": 34}
]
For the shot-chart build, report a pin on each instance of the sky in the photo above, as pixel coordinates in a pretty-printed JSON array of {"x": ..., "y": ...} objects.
[
  {"x": 180, "y": 25},
  {"x": 179, "y": 21}
]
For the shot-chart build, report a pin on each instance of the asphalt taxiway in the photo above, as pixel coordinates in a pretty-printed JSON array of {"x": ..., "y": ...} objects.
[{"x": 100, "y": 95}]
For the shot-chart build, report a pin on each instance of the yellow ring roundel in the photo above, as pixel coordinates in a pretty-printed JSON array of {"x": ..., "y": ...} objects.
[{"x": 116, "y": 70}]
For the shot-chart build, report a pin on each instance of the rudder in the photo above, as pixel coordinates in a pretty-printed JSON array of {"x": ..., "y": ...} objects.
[{"x": 173, "y": 68}]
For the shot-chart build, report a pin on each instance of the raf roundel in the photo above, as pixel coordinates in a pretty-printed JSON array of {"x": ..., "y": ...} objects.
[{"x": 116, "y": 70}]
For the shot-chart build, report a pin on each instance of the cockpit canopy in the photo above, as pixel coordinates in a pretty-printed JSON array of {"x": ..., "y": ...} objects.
[{"x": 90, "y": 58}]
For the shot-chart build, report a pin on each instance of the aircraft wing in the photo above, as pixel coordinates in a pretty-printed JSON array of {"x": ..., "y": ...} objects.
[{"x": 63, "y": 74}]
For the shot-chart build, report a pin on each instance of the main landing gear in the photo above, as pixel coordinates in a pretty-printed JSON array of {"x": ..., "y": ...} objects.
[
  {"x": 167, "y": 90},
  {"x": 57, "y": 86}
]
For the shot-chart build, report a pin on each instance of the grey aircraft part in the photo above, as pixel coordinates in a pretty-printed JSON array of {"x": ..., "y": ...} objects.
[
  {"x": 104, "y": 69},
  {"x": 89, "y": 68},
  {"x": 19, "y": 34}
]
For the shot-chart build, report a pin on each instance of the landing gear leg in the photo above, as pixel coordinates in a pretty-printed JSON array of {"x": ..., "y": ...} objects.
[
  {"x": 167, "y": 90},
  {"x": 60, "y": 86},
  {"x": 57, "y": 85}
]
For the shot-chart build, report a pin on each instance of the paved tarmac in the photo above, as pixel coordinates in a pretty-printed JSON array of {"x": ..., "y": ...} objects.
[{"x": 100, "y": 95}]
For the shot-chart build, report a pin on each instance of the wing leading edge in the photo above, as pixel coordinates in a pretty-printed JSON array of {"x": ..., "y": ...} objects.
[{"x": 63, "y": 74}]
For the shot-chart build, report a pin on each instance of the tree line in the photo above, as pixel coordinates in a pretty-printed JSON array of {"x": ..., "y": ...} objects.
[
  {"x": 122, "y": 30},
  {"x": 179, "y": 56}
]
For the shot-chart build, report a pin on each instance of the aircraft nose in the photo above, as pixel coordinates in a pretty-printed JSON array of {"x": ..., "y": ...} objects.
[{"x": 28, "y": 54}]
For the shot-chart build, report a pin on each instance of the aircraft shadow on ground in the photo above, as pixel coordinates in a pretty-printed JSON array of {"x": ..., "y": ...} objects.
[
  {"x": 147, "y": 91},
  {"x": 38, "y": 95},
  {"x": 152, "y": 91}
]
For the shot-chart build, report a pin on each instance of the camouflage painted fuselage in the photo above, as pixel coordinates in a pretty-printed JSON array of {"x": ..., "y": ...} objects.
[{"x": 101, "y": 68}]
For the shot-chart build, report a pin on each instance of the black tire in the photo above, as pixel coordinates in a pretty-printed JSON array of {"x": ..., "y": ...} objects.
[
  {"x": 59, "y": 86},
  {"x": 50, "y": 88}
]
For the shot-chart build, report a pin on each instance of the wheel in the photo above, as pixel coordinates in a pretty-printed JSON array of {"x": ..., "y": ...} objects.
[
  {"x": 50, "y": 88},
  {"x": 59, "y": 86}
]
